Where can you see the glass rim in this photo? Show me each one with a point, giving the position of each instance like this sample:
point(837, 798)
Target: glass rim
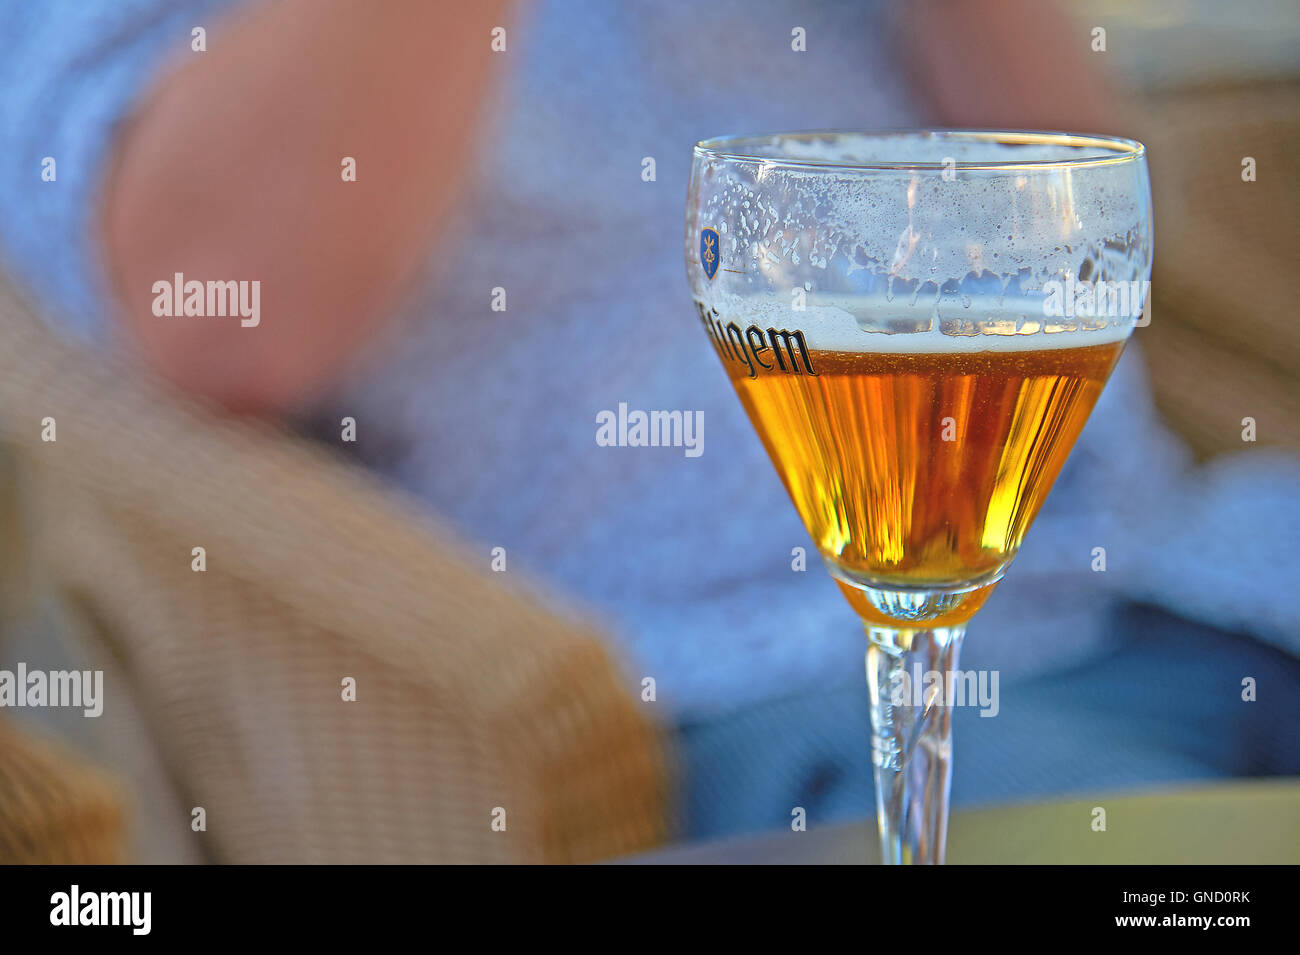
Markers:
point(1095, 150)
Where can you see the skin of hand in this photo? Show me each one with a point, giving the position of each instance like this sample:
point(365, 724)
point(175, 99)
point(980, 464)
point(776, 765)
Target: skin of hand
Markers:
point(231, 170)
point(1010, 64)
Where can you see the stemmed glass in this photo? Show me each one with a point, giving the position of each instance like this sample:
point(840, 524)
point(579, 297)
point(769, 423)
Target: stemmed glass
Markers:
point(918, 325)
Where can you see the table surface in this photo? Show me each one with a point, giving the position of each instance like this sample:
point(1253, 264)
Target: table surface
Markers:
point(1243, 822)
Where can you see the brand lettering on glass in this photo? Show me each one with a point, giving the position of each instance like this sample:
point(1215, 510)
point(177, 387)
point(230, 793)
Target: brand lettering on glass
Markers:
point(748, 346)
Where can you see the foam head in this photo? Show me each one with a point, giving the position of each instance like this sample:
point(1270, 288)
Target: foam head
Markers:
point(960, 235)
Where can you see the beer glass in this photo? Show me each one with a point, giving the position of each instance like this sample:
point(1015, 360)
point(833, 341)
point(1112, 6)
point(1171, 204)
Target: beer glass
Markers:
point(918, 325)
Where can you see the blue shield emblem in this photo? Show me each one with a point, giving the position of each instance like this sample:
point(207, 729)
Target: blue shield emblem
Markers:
point(709, 252)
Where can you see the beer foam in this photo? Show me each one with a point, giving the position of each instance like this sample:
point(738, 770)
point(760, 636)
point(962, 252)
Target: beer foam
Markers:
point(941, 231)
point(872, 326)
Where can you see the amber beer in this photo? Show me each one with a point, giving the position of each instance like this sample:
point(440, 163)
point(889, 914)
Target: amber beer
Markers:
point(916, 469)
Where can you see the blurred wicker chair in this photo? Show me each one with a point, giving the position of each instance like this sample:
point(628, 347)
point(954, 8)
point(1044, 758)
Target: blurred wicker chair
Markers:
point(54, 808)
point(471, 694)
point(1224, 343)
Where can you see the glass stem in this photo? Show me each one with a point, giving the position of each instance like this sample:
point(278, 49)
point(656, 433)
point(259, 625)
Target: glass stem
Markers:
point(911, 739)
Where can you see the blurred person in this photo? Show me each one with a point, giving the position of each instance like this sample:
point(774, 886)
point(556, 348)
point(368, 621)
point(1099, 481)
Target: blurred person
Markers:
point(522, 169)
